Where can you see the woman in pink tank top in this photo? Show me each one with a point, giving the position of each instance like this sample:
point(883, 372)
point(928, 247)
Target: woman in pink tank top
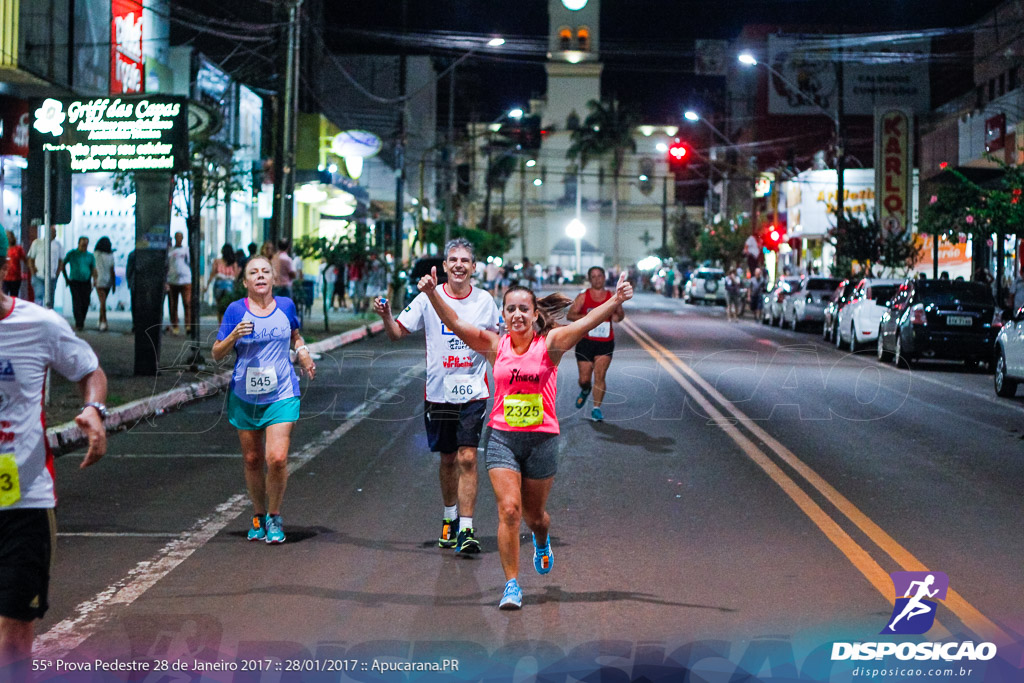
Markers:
point(522, 453)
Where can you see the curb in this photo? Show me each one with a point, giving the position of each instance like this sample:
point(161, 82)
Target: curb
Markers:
point(68, 435)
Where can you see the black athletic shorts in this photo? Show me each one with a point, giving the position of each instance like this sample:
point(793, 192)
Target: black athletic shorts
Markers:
point(588, 349)
point(451, 425)
point(26, 548)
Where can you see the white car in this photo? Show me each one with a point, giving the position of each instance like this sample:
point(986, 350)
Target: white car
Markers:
point(705, 285)
point(807, 303)
point(859, 319)
point(1009, 356)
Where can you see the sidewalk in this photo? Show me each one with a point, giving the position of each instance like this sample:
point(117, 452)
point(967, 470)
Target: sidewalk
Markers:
point(131, 398)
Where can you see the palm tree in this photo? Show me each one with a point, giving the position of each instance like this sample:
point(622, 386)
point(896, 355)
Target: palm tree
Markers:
point(608, 129)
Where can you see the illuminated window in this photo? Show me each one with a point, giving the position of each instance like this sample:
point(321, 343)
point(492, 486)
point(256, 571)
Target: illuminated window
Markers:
point(583, 39)
point(565, 38)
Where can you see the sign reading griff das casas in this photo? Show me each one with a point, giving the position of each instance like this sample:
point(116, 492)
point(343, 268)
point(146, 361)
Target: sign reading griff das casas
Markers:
point(139, 133)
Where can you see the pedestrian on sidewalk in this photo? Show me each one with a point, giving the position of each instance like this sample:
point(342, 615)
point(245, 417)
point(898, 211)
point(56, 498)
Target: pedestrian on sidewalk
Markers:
point(37, 267)
point(223, 276)
point(17, 266)
point(179, 282)
point(284, 270)
point(79, 271)
point(733, 294)
point(263, 400)
point(106, 280)
point(33, 339)
point(456, 391)
point(594, 351)
point(522, 452)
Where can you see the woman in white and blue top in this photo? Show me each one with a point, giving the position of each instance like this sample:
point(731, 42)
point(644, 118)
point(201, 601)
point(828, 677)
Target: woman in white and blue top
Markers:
point(263, 401)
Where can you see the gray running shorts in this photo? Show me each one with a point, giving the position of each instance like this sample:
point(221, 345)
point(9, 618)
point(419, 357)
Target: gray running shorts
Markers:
point(533, 454)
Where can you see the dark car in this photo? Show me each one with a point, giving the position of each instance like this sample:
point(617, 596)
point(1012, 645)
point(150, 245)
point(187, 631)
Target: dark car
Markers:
point(839, 298)
point(942, 319)
point(421, 267)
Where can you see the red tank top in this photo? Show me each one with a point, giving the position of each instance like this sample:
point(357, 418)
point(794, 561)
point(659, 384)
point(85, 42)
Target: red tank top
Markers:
point(525, 388)
point(604, 331)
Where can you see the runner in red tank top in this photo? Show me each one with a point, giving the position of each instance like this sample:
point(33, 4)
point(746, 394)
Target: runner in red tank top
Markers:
point(594, 352)
point(522, 452)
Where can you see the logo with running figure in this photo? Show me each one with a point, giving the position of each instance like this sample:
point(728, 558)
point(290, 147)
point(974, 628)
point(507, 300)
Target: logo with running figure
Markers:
point(914, 611)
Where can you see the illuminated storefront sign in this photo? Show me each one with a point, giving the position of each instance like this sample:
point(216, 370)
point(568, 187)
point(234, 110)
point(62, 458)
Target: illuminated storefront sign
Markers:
point(893, 167)
point(126, 61)
point(115, 134)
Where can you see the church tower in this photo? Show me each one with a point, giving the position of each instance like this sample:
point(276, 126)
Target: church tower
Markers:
point(574, 72)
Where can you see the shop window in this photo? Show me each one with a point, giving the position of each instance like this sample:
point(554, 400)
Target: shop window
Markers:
point(565, 38)
point(583, 39)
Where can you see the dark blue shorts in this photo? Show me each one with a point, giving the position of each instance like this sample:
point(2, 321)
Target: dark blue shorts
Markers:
point(452, 425)
point(26, 549)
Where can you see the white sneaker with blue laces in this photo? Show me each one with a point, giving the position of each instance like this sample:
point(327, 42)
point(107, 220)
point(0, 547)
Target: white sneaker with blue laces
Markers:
point(513, 596)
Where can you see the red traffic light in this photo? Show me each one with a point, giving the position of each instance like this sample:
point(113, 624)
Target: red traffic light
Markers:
point(772, 237)
point(678, 154)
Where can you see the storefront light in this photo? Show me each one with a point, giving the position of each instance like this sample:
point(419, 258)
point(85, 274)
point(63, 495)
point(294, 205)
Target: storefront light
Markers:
point(310, 193)
point(354, 166)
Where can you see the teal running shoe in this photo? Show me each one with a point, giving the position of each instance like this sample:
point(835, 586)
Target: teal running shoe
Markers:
point(275, 534)
point(467, 543)
point(582, 398)
point(597, 415)
point(543, 558)
point(512, 597)
point(258, 532)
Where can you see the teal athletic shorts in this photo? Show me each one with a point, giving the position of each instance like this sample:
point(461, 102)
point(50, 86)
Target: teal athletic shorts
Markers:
point(251, 416)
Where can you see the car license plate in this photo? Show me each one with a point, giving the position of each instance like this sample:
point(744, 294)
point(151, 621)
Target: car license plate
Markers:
point(959, 320)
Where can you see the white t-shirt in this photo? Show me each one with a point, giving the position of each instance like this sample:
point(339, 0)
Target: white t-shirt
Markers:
point(32, 338)
point(455, 373)
point(179, 270)
point(37, 252)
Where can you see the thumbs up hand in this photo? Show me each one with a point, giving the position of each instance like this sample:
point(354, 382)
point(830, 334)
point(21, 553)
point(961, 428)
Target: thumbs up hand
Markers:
point(428, 283)
point(623, 290)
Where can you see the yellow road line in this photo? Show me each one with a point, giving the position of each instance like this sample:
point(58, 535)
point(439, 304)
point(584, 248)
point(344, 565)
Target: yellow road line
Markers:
point(860, 558)
point(967, 613)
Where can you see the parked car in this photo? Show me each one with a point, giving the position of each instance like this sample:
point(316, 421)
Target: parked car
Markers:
point(771, 311)
point(947, 319)
point(1009, 356)
point(421, 267)
point(807, 303)
point(858, 319)
point(705, 285)
point(840, 297)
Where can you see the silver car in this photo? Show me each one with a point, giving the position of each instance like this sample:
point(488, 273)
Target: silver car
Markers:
point(807, 304)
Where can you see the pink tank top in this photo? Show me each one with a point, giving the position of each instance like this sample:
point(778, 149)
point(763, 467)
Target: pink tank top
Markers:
point(524, 388)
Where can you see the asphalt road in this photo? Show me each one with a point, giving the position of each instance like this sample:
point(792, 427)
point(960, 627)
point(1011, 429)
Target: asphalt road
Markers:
point(738, 512)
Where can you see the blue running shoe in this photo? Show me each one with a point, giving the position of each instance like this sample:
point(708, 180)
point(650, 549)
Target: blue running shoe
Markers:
point(467, 543)
point(258, 532)
point(275, 534)
point(582, 398)
point(543, 558)
point(513, 596)
point(597, 415)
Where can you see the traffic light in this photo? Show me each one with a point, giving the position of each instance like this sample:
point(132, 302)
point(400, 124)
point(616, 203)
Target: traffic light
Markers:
point(679, 154)
point(772, 237)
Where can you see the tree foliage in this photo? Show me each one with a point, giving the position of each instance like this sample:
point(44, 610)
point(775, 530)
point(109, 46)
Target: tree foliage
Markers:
point(865, 242)
point(962, 207)
point(494, 242)
point(721, 243)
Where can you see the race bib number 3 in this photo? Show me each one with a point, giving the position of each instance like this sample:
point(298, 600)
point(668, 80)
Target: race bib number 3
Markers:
point(602, 331)
point(260, 381)
point(524, 410)
point(10, 487)
point(463, 388)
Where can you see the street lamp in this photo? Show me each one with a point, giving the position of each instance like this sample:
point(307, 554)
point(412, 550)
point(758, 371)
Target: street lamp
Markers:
point(576, 230)
point(748, 59)
point(495, 126)
point(694, 117)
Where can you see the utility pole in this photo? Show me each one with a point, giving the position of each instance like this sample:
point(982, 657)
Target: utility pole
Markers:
point(522, 204)
point(664, 211)
point(840, 147)
point(400, 145)
point(449, 166)
point(288, 101)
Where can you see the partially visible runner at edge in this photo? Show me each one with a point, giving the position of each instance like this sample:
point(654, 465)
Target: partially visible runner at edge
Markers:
point(33, 339)
point(594, 352)
point(263, 401)
point(456, 390)
point(522, 451)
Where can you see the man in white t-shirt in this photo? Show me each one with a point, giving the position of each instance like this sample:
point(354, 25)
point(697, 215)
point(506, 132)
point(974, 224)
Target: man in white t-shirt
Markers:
point(456, 391)
point(33, 339)
point(179, 282)
point(37, 266)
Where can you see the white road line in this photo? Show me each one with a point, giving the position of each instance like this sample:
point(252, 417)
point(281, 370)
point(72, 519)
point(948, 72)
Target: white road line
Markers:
point(90, 615)
point(116, 534)
point(146, 456)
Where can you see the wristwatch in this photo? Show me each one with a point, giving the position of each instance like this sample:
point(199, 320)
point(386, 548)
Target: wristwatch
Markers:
point(100, 408)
